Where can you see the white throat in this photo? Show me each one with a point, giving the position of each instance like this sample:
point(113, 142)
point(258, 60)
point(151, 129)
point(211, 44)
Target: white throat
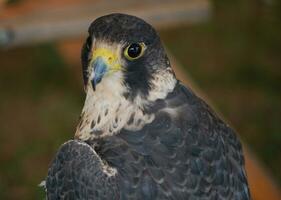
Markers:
point(106, 111)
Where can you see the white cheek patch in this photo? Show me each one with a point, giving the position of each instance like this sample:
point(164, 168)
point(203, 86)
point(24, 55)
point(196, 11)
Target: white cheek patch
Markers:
point(106, 110)
point(163, 82)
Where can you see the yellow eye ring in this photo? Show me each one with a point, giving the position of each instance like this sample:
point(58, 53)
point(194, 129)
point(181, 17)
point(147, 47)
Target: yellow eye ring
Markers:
point(134, 51)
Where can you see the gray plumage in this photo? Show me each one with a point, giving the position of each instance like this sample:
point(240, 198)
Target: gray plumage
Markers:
point(186, 152)
point(76, 174)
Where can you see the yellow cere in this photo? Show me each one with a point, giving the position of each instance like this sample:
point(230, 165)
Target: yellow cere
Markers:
point(109, 58)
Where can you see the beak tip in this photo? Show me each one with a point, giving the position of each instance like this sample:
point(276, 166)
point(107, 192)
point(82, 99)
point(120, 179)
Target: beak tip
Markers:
point(93, 82)
point(99, 69)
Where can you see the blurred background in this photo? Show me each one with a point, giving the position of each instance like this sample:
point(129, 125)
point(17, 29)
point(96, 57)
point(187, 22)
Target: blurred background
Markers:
point(230, 49)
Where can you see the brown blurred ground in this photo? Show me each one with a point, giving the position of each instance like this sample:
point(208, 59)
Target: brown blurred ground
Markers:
point(234, 58)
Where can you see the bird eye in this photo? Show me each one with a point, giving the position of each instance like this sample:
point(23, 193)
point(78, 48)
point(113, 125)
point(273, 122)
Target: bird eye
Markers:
point(134, 51)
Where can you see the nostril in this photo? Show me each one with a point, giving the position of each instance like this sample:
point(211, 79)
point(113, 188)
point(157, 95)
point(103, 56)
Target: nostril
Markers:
point(110, 58)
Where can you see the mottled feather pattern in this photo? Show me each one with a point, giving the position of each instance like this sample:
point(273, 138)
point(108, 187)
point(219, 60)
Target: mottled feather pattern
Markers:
point(78, 173)
point(192, 155)
point(142, 134)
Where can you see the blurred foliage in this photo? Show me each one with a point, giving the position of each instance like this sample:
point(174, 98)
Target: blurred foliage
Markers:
point(11, 2)
point(234, 58)
point(39, 106)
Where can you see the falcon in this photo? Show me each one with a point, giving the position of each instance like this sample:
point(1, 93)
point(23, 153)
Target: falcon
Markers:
point(142, 134)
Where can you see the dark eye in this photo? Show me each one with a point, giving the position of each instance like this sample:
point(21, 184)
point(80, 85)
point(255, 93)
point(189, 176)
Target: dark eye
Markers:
point(134, 51)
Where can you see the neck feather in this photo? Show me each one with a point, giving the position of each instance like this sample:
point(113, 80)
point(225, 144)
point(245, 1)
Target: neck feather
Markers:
point(106, 110)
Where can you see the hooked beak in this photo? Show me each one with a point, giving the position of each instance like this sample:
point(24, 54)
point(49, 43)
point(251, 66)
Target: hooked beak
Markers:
point(103, 62)
point(99, 68)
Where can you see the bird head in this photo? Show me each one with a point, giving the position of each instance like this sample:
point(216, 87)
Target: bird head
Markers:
point(126, 50)
point(125, 70)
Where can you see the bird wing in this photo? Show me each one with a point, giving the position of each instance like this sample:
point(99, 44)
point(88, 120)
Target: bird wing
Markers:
point(187, 152)
point(77, 172)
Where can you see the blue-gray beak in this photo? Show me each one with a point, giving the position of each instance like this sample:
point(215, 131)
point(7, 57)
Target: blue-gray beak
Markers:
point(99, 69)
